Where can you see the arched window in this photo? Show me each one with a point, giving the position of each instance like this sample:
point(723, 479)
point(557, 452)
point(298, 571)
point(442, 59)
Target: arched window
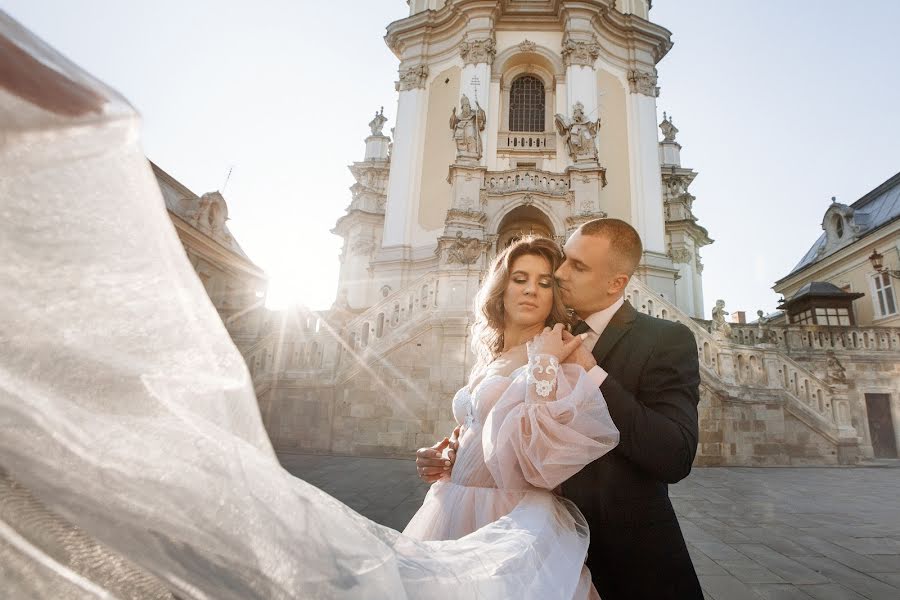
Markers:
point(839, 226)
point(526, 104)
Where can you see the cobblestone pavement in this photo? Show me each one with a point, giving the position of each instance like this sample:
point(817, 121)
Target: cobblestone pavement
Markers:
point(764, 533)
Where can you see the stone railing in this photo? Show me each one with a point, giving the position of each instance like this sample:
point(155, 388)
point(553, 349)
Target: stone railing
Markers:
point(516, 180)
point(731, 366)
point(819, 337)
point(526, 141)
point(377, 327)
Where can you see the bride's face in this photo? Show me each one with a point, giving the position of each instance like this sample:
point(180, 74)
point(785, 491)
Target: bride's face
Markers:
point(528, 298)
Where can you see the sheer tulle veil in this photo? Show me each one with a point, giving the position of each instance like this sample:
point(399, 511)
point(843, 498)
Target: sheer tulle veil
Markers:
point(134, 461)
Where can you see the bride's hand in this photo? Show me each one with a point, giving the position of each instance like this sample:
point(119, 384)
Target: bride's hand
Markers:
point(550, 341)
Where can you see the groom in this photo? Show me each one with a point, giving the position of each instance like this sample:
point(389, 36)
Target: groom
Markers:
point(648, 372)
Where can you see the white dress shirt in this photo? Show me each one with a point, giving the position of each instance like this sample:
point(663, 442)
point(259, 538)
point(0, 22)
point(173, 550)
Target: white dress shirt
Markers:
point(596, 323)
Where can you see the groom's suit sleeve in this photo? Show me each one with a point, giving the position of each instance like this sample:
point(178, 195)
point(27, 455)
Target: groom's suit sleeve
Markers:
point(658, 426)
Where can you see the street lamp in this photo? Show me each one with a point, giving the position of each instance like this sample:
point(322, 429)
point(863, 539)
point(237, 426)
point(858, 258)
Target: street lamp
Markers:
point(877, 261)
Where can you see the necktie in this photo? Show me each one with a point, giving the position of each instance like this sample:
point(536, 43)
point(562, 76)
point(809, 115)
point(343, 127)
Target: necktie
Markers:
point(580, 327)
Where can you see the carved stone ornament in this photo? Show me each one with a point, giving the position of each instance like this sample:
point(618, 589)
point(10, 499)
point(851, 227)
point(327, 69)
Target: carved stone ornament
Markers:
point(587, 206)
point(377, 124)
point(386, 291)
point(467, 127)
point(580, 52)
point(681, 255)
point(478, 51)
point(834, 370)
point(527, 46)
point(668, 129)
point(362, 247)
point(412, 78)
point(643, 82)
point(579, 134)
point(463, 251)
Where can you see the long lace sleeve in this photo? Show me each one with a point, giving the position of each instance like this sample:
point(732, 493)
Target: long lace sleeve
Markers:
point(549, 423)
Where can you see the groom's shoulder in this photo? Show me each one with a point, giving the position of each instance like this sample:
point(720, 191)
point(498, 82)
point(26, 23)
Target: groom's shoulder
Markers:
point(664, 328)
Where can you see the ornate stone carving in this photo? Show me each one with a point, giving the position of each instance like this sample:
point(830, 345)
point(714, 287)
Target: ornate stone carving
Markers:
point(579, 134)
point(643, 82)
point(527, 46)
point(386, 291)
point(377, 124)
point(681, 255)
point(669, 130)
point(698, 264)
point(209, 214)
point(461, 251)
point(580, 52)
point(587, 206)
point(719, 324)
point(362, 247)
point(467, 127)
point(478, 51)
point(540, 182)
point(412, 78)
point(834, 370)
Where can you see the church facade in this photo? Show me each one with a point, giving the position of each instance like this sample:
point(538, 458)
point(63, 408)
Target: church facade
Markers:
point(517, 117)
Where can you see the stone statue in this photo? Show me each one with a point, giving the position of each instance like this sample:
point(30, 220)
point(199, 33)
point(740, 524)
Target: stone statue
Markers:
point(579, 134)
point(377, 124)
point(719, 324)
point(464, 251)
point(834, 370)
point(761, 322)
point(467, 127)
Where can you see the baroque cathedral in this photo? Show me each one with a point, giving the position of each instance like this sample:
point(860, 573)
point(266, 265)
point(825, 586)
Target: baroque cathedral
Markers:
point(534, 116)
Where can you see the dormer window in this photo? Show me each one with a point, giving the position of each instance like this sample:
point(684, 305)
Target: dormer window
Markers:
point(838, 225)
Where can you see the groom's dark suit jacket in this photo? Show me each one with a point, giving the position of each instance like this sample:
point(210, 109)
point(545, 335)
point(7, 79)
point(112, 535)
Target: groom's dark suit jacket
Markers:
point(637, 550)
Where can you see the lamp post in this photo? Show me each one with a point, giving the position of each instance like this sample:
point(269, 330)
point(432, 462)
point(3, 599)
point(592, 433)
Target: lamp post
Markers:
point(877, 261)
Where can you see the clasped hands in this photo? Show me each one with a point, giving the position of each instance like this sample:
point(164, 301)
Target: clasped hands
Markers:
point(435, 462)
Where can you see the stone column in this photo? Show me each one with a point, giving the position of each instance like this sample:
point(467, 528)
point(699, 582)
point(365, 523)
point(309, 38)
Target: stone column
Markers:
point(406, 160)
point(647, 210)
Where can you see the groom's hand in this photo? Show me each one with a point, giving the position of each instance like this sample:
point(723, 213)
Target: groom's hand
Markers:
point(580, 355)
point(436, 462)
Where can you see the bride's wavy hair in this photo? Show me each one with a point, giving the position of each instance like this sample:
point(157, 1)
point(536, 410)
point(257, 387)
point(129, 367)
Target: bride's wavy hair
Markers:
point(490, 317)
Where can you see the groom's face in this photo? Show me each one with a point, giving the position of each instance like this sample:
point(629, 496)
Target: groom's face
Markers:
point(587, 278)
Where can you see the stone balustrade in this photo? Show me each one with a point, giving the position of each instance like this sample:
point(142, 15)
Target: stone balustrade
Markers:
point(533, 180)
point(819, 337)
point(734, 365)
point(370, 331)
point(526, 141)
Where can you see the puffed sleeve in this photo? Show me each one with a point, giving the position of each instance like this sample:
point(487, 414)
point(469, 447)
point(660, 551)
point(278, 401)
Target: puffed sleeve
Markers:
point(546, 426)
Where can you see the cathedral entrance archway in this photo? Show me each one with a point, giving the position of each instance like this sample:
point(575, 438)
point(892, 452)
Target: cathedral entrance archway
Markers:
point(522, 221)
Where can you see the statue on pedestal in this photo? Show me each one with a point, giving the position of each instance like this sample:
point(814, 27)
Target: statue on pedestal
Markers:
point(467, 127)
point(719, 324)
point(579, 134)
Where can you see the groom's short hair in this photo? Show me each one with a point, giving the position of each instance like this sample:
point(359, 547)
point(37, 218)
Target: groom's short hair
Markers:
point(623, 239)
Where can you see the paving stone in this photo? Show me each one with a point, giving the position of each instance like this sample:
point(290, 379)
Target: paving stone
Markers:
point(778, 591)
point(726, 587)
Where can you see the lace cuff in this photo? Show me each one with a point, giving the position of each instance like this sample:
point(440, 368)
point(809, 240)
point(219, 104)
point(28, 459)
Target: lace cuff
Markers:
point(541, 380)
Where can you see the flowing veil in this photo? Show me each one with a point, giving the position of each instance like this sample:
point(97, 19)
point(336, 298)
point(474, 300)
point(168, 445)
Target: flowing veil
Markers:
point(133, 459)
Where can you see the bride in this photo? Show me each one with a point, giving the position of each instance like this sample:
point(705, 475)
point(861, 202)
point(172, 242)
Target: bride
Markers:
point(527, 423)
point(133, 460)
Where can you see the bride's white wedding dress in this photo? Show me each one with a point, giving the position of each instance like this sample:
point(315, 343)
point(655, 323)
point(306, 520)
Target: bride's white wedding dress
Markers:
point(133, 460)
point(521, 436)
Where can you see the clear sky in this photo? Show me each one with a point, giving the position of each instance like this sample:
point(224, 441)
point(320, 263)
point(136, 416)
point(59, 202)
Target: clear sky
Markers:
point(780, 104)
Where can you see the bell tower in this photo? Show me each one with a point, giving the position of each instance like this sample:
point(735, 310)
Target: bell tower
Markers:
point(520, 116)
